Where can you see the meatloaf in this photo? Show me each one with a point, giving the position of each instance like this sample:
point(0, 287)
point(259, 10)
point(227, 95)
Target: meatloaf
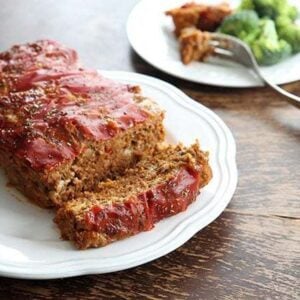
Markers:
point(194, 45)
point(159, 186)
point(64, 128)
point(200, 16)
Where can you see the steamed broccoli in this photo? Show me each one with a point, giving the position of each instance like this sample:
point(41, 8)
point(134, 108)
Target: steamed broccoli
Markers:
point(243, 24)
point(246, 5)
point(261, 36)
point(254, 23)
point(289, 31)
point(274, 8)
point(268, 48)
point(290, 12)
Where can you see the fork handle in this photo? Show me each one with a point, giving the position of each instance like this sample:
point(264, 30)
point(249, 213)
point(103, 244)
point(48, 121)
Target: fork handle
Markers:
point(291, 98)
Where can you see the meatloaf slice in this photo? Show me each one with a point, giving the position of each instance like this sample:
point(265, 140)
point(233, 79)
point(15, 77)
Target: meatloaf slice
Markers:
point(58, 139)
point(63, 128)
point(157, 187)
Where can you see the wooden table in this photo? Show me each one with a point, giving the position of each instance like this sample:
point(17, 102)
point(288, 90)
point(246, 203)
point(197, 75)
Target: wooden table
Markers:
point(252, 251)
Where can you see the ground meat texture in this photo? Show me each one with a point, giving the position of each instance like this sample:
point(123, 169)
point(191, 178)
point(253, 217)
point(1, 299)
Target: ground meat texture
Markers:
point(157, 187)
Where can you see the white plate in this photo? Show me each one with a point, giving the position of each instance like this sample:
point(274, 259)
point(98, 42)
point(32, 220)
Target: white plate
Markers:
point(151, 35)
point(29, 241)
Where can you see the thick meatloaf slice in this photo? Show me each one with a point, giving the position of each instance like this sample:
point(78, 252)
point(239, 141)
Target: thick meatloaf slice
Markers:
point(63, 132)
point(157, 187)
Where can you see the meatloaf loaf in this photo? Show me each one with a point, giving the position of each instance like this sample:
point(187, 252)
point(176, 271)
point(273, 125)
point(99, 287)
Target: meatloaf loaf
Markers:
point(159, 186)
point(64, 128)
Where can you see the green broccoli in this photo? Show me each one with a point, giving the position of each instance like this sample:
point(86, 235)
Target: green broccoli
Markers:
point(242, 24)
point(274, 8)
point(289, 31)
point(269, 43)
point(268, 48)
point(246, 5)
point(291, 12)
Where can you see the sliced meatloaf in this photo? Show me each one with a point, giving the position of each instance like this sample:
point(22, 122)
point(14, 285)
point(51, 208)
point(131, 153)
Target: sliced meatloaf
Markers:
point(159, 186)
point(63, 128)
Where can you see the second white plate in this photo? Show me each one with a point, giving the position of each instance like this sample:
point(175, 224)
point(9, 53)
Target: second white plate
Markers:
point(151, 34)
point(30, 246)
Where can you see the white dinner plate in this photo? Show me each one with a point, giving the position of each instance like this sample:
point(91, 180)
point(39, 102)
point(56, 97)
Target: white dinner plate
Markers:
point(151, 35)
point(30, 246)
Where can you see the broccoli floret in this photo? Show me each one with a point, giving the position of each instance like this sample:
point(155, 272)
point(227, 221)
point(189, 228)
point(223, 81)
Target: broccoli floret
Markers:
point(243, 24)
point(289, 32)
point(275, 8)
point(246, 5)
point(268, 48)
point(291, 12)
point(260, 34)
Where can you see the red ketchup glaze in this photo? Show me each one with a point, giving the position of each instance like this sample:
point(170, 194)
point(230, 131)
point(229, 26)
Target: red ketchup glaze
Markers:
point(141, 213)
point(175, 196)
point(23, 65)
point(48, 103)
point(39, 153)
point(119, 220)
point(43, 54)
point(29, 79)
point(109, 106)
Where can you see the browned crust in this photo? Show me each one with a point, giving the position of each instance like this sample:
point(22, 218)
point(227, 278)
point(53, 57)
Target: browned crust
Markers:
point(203, 17)
point(83, 239)
point(185, 16)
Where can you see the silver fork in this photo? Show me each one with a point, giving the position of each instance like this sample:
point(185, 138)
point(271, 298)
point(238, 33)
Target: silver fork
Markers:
point(232, 48)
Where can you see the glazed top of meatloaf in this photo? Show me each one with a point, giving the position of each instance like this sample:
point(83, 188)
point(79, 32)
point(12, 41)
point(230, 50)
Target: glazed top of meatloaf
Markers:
point(47, 121)
point(42, 60)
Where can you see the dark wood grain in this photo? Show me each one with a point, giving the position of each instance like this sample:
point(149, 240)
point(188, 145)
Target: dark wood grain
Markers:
point(252, 251)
